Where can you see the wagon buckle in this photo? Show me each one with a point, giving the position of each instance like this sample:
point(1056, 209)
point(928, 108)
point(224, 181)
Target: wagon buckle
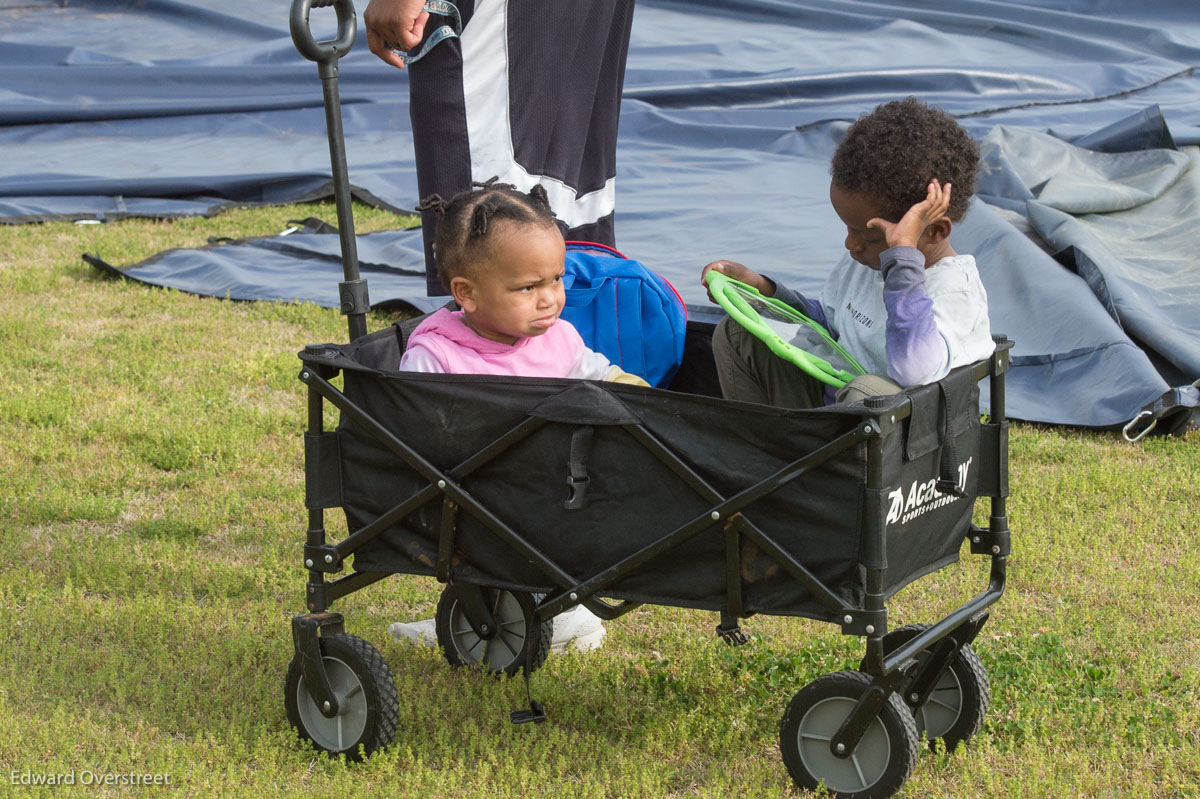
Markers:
point(578, 487)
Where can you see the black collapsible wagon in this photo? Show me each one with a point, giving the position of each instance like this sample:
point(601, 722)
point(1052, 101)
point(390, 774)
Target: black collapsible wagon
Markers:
point(527, 497)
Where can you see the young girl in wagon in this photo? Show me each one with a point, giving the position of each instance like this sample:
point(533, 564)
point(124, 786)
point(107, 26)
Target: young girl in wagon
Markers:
point(500, 253)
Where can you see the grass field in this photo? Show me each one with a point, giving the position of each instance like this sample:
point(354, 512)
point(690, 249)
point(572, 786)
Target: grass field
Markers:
point(152, 505)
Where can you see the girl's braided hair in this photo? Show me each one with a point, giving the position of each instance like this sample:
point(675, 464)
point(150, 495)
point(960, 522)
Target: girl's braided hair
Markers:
point(892, 153)
point(469, 219)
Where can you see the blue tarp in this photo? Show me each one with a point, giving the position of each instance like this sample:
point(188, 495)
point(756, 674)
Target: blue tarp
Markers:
point(731, 110)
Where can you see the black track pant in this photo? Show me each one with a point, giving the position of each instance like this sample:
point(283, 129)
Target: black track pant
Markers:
point(530, 93)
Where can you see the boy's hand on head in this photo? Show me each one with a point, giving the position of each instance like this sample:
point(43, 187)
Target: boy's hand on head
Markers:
point(745, 274)
point(908, 231)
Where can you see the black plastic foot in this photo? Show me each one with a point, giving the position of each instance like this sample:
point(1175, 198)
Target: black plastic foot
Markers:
point(732, 635)
point(536, 713)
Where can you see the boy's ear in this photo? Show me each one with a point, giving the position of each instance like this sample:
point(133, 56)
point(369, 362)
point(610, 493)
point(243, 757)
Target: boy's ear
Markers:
point(463, 291)
point(939, 229)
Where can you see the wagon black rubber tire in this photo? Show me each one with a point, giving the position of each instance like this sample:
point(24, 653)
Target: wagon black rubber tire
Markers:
point(879, 765)
point(959, 703)
point(521, 640)
point(369, 710)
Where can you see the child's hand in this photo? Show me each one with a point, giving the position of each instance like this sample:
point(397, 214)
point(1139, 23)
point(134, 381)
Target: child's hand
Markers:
point(908, 231)
point(745, 274)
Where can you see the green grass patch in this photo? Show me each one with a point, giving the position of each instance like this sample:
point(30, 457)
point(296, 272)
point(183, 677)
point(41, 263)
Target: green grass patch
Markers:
point(152, 512)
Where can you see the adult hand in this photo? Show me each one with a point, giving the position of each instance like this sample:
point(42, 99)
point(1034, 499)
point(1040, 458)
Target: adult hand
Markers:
point(394, 24)
point(908, 231)
point(745, 274)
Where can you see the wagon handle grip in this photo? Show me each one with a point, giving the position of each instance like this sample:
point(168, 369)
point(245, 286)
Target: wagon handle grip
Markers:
point(302, 35)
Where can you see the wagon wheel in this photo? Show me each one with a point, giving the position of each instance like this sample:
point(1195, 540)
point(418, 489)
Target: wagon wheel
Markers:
point(878, 766)
point(368, 710)
point(519, 639)
point(959, 701)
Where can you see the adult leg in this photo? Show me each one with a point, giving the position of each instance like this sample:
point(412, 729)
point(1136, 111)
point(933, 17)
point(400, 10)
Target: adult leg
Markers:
point(437, 111)
point(530, 93)
point(565, 79)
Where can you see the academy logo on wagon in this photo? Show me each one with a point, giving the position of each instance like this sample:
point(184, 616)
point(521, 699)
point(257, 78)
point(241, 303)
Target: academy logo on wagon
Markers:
point(923, 496)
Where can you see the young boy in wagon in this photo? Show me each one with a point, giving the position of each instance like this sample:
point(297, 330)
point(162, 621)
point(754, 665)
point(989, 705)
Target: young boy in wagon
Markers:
point(901, 301)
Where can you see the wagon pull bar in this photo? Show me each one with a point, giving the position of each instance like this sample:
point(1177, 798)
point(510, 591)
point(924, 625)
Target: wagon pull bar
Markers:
point(352, 292)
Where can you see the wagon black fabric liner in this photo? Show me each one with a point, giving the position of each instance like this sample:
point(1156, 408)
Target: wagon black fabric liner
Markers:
point(822, 518)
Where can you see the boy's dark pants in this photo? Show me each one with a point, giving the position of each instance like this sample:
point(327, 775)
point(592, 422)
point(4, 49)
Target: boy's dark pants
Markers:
point(750, 372)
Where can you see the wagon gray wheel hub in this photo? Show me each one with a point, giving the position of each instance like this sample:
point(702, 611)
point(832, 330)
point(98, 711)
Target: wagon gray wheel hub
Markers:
point(937, 716)
point(501, 649)
point(860, 770)
point(335, 734)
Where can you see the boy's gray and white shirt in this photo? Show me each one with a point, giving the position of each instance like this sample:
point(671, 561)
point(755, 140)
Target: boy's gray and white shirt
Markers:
point(854, 304)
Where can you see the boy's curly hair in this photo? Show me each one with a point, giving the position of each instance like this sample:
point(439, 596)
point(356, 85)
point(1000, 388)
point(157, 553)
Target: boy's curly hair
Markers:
point(467, 221)
point(893, 152)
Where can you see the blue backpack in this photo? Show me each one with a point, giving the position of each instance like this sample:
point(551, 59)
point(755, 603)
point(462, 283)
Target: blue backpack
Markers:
point(631, 315)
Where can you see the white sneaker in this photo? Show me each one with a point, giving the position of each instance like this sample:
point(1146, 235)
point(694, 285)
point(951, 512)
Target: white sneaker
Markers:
point(422, 632)
point(579, 629)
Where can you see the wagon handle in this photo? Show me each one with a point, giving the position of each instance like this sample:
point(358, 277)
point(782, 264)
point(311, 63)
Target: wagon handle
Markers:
point(352, 292)
point(302, 36)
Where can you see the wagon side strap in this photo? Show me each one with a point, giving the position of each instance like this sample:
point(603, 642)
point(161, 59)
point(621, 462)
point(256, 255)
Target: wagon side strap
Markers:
point(959, 395)
point(577, 476)
point(939, 413)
